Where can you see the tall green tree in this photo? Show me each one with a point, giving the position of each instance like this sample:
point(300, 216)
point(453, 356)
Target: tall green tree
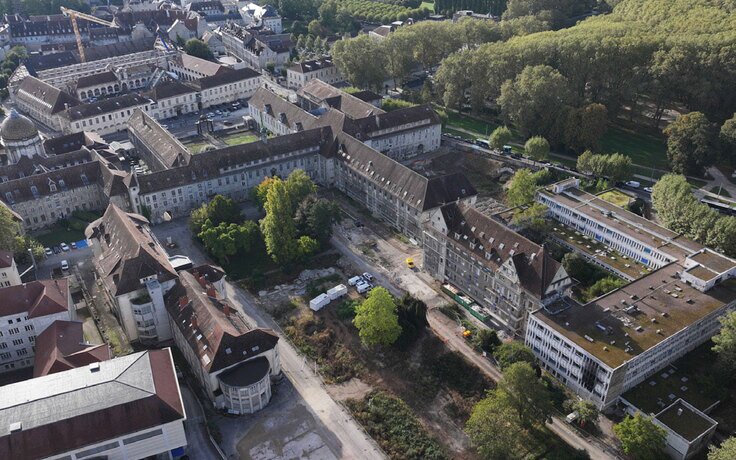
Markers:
point(399, 57)
point(640, 437)
point(499, 137)
point(521, 189)
point(691, 143)
point(585, 127)
point(278, 228)
point(526, 394)
point(725, 343)
point(198, 48)
point(11, 230)
point(586, 410)
point(537, 147)
point(534, 100)
point(728, 139)
point(494, 429)
point(298, 187)
point(362, 61)
point(377, 320)
point(513, 352)
point(726, 451)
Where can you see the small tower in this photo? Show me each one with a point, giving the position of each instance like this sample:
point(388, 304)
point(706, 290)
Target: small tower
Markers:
point(20, 137)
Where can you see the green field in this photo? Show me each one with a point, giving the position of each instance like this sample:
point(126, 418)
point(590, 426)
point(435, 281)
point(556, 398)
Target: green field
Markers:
point(239, 138)
point(644, 150)
point(455, 132)
point(483, 129)
point(616, 197)
point(57, 235)
point(427, 5)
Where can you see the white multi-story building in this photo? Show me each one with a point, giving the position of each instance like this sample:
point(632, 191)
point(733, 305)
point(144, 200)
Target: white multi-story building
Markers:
point(9, 275)
point(127, 407)
point(608, 346)
point(136, 273)
point(301, 73)
point(233, 363)
point(259, 49)
point(26, 311)
point(264, 17)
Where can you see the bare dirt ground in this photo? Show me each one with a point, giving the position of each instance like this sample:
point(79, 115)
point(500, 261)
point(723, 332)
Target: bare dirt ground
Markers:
point(482, 172)
point(352, 389)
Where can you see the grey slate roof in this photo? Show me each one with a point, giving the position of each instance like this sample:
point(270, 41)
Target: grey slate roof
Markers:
point(52, 100)
point(225, 77)
point(17, 127)
point(166, 148)
point(96, 79)
point(105, 106)
point(319, 92)
point(128, 251)
point(84, 406)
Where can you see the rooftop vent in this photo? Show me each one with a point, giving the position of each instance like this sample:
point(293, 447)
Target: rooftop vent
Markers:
point(94, 367)
point(15, 427)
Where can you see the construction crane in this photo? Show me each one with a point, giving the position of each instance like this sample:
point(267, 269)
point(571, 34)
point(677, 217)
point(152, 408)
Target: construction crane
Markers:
point(73, 15)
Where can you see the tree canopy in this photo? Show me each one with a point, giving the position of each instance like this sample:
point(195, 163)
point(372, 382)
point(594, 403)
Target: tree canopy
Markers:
point(727, 450)
point(198, 48)
point(522, 186)
point(377, 320)
point(691, 143)
point(537, 147)
point(500, 137)
point(614, 166)
point(640, 437)
point(725, 343)
point(278, 228)
point(513, 352)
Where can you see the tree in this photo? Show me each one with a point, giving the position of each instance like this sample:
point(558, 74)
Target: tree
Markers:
point(223, 209)
point(260, 191)
point(728, 139)
point(513, 352)
point(615, 167)
point(198, 48)
point(691, 143)
point(537, 147)
point(727, 450)
point(377, 320)
point(526, 393)
point(532, 218)
point(316, 217)
point(640, 437)
point(522, 187)
point(586, 410)
point(585, 127)
point(362, 61)
point(494, 429)
point(11, 229)
point(577, 267)
point(226, 239)
point(534, 100)
point(307, 246)
point(399, 57)
point(725, 343)
point(298, 187)
point(486, 340)
point(278, 229)
point(500, 137)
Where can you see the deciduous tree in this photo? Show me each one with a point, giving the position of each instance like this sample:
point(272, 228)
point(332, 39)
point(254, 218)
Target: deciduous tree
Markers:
point(640, 437)
point(526, 393)
point(725, 343)
point(278, 229)
point(727, 450)
point(537, 147)
point(499, 137)
point(522, 186)
point(513, 352)
point(198, 48)
point(362, 61)
point(585, 127)
point(534, 100)
point(494, 429)
point(691, 143)
point(377, 320)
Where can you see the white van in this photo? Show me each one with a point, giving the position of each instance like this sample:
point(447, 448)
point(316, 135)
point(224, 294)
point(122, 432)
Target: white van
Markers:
point(355, 280)
point(363, 287)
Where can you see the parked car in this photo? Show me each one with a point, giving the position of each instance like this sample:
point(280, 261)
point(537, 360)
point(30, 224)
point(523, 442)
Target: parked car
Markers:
point(368, 276)
point(648, 189)
point(363, 287)
point(64, 247)
point(355, 280)
point(64, 265)
point(410, 263)
point(74, 245)
point(57, 249)
point(632, 184)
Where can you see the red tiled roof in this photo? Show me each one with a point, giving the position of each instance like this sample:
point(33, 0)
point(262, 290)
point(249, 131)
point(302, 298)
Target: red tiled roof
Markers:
point(37, 298)
point(61, 347)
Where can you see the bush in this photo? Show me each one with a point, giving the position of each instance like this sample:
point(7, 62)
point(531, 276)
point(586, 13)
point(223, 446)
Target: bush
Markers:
point(346, 309)
point(391, 422)
point(451, 310)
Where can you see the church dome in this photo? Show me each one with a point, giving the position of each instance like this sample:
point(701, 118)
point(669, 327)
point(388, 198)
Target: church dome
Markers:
point(16, 127)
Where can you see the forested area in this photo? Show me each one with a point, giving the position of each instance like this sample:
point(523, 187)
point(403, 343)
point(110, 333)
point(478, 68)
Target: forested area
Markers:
point(42, 6)
point(647, 54)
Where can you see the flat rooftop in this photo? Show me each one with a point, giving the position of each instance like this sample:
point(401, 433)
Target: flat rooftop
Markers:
point(662, 389)
point(628, 321)
point(684, 421)
point(623, 221)
point(599, 251)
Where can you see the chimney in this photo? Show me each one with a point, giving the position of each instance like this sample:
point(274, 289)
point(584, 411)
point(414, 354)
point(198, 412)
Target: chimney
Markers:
point(226, 309)
point(194, 322)
point(183, 301)
point(211, 292)
point(679, 412)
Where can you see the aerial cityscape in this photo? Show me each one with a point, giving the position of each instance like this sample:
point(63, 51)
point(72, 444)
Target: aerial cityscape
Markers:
point(368, 229)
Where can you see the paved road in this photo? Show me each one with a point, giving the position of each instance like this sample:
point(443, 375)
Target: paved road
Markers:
point(401, 280)
point(199, 445)
point(355, 443)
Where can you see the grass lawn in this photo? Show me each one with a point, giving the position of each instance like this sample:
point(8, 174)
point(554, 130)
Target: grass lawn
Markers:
point(57, 235)
point(428, 5)
point(643, 149)
point(482, 128)
point(458, 133)
point(616, 197)
point(239, 138)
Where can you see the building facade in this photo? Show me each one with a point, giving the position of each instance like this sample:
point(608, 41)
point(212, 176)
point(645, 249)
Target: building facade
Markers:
point(26, 311)
point(301, 73)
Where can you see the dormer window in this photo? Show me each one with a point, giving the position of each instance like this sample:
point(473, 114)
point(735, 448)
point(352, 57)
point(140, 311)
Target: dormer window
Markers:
point(52, 187)
point(34, 190)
